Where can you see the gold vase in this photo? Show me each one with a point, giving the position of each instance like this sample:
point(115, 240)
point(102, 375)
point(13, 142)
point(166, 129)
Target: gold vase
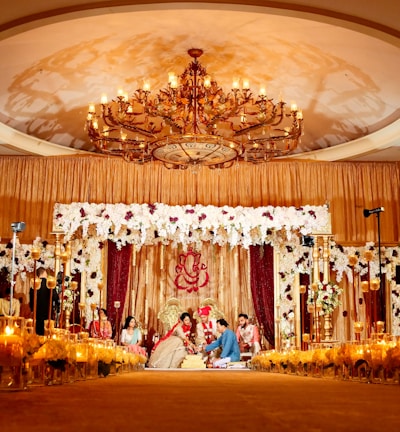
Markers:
point(328, 328)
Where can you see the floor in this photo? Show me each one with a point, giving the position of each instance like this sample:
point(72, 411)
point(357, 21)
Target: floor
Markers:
point(206, 400)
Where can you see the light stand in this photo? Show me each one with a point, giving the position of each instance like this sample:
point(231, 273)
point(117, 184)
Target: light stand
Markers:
point(117, 305)
point(378, 212)
point(16, 227)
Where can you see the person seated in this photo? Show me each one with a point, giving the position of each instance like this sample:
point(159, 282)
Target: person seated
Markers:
point(248, 336)
point(206, 329)
point(170, 350)
point(229, 344)
point(5, 305)
point(101, 328)
point(131, 336)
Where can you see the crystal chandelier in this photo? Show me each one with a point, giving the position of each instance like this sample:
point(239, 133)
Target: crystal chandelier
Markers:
point(193, 122)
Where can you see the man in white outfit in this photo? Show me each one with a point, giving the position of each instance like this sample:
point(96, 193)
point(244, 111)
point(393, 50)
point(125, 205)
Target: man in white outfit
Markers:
point(248, 336)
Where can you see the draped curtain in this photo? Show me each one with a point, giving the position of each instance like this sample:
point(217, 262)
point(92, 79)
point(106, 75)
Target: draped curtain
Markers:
point(32, 183)
point(262, 288)
point(118, 269)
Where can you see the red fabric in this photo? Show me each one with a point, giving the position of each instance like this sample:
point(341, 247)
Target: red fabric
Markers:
point(117, 279)
point(262, 288)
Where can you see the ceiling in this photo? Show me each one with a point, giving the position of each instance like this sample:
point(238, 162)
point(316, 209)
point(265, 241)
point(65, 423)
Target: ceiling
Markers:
point(339, 63)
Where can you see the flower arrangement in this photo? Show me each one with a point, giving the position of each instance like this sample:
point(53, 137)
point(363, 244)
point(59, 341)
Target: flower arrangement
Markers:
point(326, 296)
point(138, 223)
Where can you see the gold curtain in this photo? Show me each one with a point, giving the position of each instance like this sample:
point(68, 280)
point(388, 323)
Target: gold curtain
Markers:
point(30, 186)
point(153, 275)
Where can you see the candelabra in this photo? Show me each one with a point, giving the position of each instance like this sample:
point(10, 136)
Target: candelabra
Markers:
point(51, 284)
point(35, 254)
point(16, 228)
point(81, 311)
point(302, 290)
point(117, 305)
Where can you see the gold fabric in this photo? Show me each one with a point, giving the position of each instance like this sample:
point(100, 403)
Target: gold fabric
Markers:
point(30, 186)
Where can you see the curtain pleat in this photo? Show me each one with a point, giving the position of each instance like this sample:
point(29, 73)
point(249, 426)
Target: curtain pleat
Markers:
point(30, 186)
point(118, 269)
point(262, 287)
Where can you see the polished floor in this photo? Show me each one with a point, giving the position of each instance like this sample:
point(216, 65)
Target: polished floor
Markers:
point(207, 400)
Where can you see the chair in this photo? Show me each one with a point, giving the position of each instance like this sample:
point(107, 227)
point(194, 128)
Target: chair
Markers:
point(170, 313)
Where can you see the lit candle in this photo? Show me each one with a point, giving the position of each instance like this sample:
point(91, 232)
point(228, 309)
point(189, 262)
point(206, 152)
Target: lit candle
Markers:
point(246, 84)
point(92, 108)
point(263, 91)
point(103, 99)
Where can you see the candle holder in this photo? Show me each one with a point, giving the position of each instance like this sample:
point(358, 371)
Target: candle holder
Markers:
point(117, 305)
point(51, 284)
point(81, 314)
point(358, 328)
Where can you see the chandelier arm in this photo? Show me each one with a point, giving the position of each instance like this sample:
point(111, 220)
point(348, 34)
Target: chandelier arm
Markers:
point(192, 121)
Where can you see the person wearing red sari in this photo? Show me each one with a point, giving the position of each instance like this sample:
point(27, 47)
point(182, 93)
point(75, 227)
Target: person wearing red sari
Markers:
point(170, 351)
point(101, 328)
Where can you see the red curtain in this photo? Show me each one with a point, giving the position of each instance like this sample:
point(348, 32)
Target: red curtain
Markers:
point(117, 279)
point(262, 288)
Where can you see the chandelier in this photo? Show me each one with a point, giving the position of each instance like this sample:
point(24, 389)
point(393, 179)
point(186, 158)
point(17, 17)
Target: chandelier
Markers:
point(193, 122)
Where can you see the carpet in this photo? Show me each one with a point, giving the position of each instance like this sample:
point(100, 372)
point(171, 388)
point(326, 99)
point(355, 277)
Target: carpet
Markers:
point(206, 400)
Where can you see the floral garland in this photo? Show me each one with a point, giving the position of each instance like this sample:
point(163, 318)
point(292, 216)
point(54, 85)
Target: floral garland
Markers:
point(141, 224)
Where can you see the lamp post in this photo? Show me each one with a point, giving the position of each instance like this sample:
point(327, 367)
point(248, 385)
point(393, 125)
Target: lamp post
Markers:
point(378, 212)
point(16, 227)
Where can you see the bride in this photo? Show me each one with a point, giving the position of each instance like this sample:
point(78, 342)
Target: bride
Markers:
point(170, 351)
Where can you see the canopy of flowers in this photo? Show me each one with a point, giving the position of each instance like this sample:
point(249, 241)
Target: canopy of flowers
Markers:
point(141, 224)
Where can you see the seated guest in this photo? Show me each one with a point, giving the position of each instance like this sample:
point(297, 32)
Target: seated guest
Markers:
point(101, 328)
point(131, 336)
point(248, 336)
point(229, 344)
point(5, 305)
point(170, 350)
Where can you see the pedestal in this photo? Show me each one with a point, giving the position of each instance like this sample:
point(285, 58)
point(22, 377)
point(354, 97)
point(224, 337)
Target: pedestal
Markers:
point(328, 328)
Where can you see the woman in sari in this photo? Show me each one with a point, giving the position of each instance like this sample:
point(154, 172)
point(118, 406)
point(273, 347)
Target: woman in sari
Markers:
point(131, 336)
point(170, 351)
point(101, 328)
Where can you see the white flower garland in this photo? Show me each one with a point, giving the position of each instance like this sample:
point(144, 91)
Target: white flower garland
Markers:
point(141, 224)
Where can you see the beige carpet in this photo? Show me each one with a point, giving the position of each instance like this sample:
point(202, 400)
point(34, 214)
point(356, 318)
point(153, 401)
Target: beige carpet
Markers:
point(222, 401)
